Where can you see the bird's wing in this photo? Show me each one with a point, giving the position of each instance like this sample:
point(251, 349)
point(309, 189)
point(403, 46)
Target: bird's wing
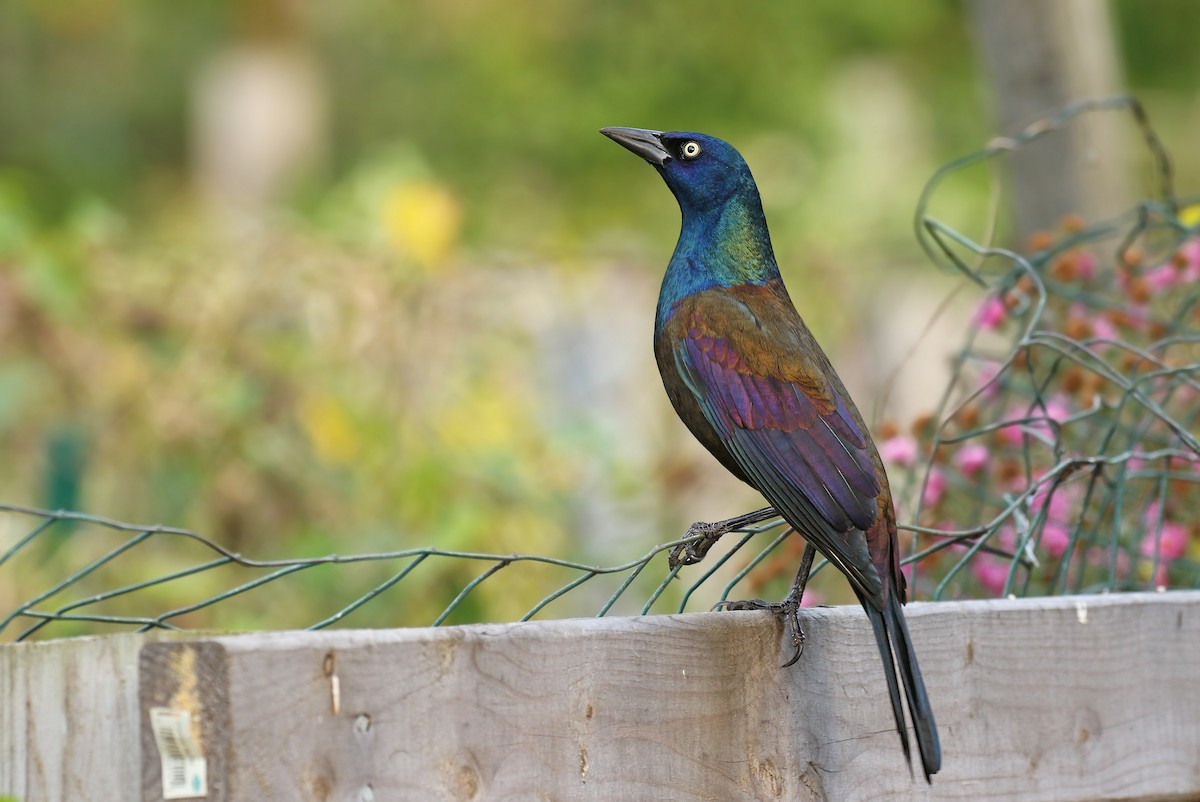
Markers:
point(766, 388)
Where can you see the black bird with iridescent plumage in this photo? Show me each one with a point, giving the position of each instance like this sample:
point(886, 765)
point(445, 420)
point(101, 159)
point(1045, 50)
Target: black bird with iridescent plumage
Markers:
point(748, 379)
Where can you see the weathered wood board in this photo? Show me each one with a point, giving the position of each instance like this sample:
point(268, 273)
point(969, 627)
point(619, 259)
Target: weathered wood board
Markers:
point(1042, 699)
point(69, 719)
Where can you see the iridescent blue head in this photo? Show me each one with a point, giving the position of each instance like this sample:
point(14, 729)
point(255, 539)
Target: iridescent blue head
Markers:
point(724, 240)
point(702, 171)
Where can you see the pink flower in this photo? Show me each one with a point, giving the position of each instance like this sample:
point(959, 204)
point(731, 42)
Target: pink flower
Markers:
point(1169, 537)
point(1058, 408)
point(1191, 252)
point(1085, 265)
point(991, 313)
point(935, 488)
point(991, 573)
point(972, 458)
point(1013, 434)
point(899, 450)
point(1103, 328)
point(1171, 541)
point(1061, 505)
point(1055, 539)
point(1161, 278)
point(1191, 258)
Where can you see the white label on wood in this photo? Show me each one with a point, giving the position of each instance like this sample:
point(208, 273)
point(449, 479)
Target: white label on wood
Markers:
point(184, 769)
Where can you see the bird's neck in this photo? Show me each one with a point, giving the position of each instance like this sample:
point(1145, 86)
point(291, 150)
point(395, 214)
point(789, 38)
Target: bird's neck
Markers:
point(724, 246)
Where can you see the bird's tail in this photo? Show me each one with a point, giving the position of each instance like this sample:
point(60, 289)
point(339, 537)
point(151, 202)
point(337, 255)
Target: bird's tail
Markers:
point(891, 633)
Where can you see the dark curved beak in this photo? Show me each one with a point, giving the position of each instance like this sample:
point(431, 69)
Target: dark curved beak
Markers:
point(645, 143)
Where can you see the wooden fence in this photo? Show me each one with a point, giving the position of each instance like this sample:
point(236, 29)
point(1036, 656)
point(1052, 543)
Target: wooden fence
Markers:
point(1072, 698)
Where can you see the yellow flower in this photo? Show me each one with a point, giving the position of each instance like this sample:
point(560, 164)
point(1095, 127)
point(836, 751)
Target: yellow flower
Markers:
point(488, 420)
point(421, 221)
point(330, 430)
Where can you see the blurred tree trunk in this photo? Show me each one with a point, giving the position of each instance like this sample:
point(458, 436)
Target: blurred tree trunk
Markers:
point(1039, 55)
point(259, 115)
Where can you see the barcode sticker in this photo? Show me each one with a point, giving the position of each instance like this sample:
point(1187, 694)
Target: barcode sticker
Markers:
point(184, 769)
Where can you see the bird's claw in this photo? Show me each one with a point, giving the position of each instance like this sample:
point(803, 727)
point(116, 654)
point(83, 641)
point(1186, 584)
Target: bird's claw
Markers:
point(791, 613)
point(693, 551)
point(788, 610)
point(703, 536)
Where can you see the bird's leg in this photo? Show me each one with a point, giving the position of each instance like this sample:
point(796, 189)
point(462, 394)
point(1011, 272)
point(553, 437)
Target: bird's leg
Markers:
point(708, 534)
point(789, 608)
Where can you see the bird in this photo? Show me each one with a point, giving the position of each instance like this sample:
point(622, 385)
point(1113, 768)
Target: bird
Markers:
point(748, 379)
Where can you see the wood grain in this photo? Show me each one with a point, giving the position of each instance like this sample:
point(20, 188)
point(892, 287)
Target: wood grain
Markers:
point(1091, 698)
point(68, 719)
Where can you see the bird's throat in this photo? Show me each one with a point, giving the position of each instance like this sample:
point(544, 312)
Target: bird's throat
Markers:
point(726, 246)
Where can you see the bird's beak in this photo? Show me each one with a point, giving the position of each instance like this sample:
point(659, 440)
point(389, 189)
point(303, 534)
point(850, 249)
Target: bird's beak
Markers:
point(645, 143)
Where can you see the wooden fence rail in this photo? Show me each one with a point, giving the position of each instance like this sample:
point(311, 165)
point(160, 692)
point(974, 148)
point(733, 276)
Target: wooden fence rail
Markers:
point(1091, 697)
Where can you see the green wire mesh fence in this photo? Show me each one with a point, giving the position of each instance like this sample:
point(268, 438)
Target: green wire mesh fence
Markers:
point(1063, 457)
point(1067, 435)
point(35, 614)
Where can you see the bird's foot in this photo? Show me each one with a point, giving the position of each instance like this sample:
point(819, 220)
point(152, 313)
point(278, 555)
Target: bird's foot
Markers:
point(703, 536)
point(788, 609)
point(693, 551)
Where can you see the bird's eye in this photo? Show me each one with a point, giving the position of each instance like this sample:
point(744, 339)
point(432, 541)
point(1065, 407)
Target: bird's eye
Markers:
point(690, 150)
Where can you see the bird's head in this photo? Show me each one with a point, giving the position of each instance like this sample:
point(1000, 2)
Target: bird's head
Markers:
point(701, 170)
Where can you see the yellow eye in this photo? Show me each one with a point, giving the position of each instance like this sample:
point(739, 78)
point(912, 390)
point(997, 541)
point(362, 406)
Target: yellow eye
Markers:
point(690, 150)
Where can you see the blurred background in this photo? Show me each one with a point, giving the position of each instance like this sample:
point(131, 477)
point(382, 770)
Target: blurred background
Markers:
point(349, 277)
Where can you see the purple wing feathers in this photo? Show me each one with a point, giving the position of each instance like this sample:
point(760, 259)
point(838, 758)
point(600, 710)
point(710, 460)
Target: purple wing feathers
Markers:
point(822, 454)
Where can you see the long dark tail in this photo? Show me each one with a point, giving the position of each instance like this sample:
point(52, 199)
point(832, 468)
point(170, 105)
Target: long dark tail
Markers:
point(895, 647)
